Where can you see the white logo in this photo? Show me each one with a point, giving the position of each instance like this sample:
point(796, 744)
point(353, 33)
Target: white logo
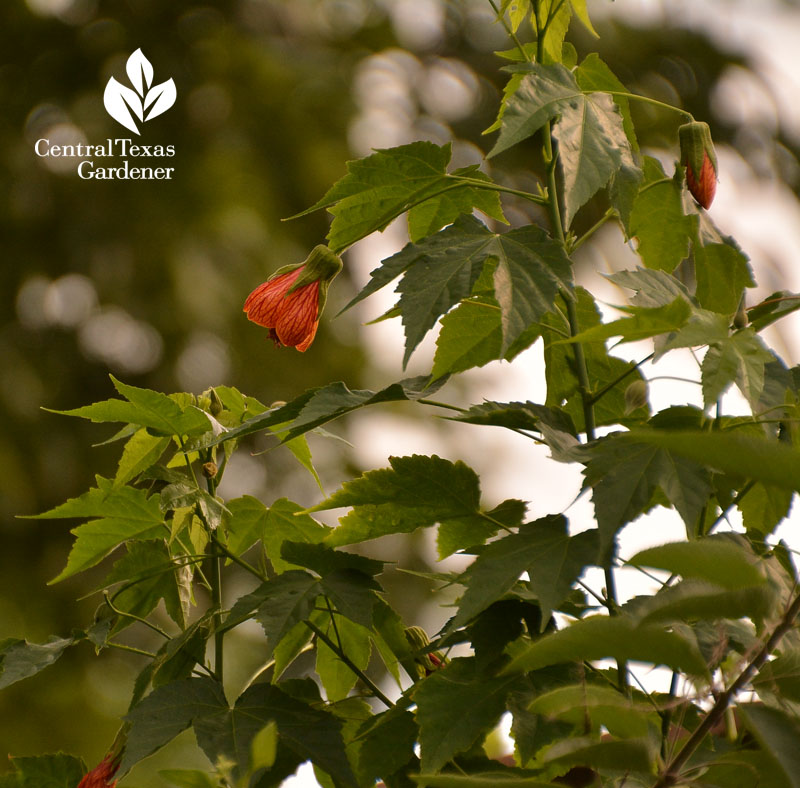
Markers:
point(145, 102)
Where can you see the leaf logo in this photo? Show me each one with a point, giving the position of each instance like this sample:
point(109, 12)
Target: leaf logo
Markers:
point(143, 102)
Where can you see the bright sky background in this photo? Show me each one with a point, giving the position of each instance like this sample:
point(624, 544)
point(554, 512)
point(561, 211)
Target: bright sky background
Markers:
point(762, 214)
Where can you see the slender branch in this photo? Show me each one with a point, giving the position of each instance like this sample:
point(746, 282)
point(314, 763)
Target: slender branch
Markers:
point(496, 187)
point(671, 775)
point(603, 391)
point(216, 604)
point(666, 715)
point(647, 100)
point(350, 664)
point(130, 649)
point(141, 620)
point(609, 214)
point(511, 34)
point(236, 560)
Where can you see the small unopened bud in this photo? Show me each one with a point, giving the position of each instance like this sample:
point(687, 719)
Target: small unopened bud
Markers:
point(216, 407)
point(210, 470)
point(635, 396)
point(279, 403)
point(700, 160)
point(740, 318)
point(426, 663)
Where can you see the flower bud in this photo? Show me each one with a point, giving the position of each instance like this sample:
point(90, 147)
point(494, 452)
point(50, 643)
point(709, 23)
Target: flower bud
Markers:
point(700, 160)
point(216, 406)
point(426, 663)
point(635, 396)
point(210, 470)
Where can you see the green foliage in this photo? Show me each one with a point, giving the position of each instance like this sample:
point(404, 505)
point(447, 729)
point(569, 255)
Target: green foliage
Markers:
point(533, 629)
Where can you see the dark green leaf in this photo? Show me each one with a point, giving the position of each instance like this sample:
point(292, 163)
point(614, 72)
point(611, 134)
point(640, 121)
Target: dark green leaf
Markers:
point(722, 275)
point(772, 308)
point(336, 677)
point(778, 733)
point(624, 474)
point(188, 778)
point(484, 780)
point(387, 744)
point(543, 549)
point(286, 522)
point(20, 659)
point(626, 755)
point(616, 637)
point(324, 560)
point(415, 492)
point(165, 712)
point(781, 676)
point(455, 705)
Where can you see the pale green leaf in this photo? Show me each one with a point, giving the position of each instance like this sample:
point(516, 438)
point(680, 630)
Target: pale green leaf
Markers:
point(739, 358)
point(722, 275)
point(20, 659)
point(141, 451)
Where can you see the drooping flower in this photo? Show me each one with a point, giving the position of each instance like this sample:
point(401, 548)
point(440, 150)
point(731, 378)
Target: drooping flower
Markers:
point(700, 160)
point(102, 776)
point(290, 302)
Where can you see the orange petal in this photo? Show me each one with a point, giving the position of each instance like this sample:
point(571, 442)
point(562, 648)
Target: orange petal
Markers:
point(297, 319)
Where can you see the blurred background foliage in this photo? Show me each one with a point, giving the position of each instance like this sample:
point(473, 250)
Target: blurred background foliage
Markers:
point(145, 279)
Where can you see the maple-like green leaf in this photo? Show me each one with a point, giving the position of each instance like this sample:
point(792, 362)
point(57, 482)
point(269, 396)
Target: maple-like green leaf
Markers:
point(740, 358)
point(615, 637)
point(152, 575)
point(455, 705)
point(658, 223)
point(722, 275)
point(308, 732)
point(387, 743)
point(380, 187)
point(543, 549)
point(141, 451)
point(164, 713)
point(321, 405)
point(20, 659)
point(416, 492)
point(158, 412)
point(652, 288)
point(118, 514)
point(430, 216)
point(625, 474)
point(772, 308)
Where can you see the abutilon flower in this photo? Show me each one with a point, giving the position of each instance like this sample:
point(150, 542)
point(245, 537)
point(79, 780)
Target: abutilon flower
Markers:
point(700, 160)
point(102, 775)
point(290, 302)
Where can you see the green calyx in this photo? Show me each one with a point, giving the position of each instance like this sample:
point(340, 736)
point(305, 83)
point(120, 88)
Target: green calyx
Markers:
point(696, 143)
point(322, 266)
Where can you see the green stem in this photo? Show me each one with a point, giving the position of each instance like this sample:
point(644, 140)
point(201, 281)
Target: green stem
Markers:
point(216, 604)
point(141, 620)
point(496, 187)
point(238, 561)
point(666, 716)
point(609, 214)
point(671, 775)
point(350, 664)
point(130, 649)
point(647, 100)
point(603, 391)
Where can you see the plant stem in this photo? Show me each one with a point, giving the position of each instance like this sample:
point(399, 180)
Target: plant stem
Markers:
point(603, 391)
point(154, 627)
point(648, 100)
point(496, 187)
point(216, 604)
point(609, 214)
point(671, 774)
point(350, 664)
point(238, 561)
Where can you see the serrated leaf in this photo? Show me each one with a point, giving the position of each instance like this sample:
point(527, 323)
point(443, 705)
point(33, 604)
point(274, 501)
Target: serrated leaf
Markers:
point(147, 408)
point(164, 713)
point(380, 187)
point(619, 638)
point(718, 560)
point(321, 405)
point(554, 17)
point(644, 322)
point(309, 733)
point(287, 522)
point(122, 514)
point(764, 507)
point(594, 75)
point(430, 216)
point(152, 575)
point(658, 222)
point(624, 474)
point(20, 659)
point(638, 755)
point(387, 743)
point(141, 451)
point(455, 705)
point(780, 676)
point(777, 732)
point(543, 549)
point(416, 492)
point(653, 288)
point(722, 275)
point(183, 495)
point(772, 308)
point(739, 358)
